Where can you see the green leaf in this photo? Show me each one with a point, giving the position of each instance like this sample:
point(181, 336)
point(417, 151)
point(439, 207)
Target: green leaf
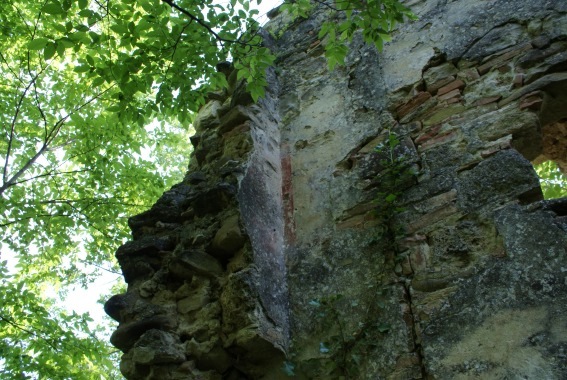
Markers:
point(114, 108)
point(391, 198)
point(60, 28)
point(38, 43)
point(81, 68)
point(60, 49)
point(49, 50)
point(119, 28)
point(97, 82)
point(553, 182)
point(53, 8)
point(66, 43)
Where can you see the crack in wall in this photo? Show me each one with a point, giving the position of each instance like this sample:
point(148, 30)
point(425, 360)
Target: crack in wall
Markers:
point(418, 348)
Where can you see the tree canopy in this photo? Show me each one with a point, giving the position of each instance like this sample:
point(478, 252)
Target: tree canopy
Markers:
point(553, 181)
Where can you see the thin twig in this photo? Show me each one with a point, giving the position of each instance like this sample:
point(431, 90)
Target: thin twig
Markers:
point(51, 173)
point(48, 140)
point(13, 127)
point(205, 25)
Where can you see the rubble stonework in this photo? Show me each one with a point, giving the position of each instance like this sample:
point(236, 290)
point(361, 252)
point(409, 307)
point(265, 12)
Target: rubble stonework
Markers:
point(269, 261)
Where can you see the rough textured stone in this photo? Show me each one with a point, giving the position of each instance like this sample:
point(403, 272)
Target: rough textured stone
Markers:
point(500, 178)
point(191, 262)
point(271, 255)
point(229, 238)
point(438, 76)
point(157, 347)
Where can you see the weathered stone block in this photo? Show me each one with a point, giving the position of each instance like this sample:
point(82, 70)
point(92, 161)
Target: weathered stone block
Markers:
point(504, 176)
point(190, 262)
point(236, 116)
point(451, 96)
point(229, 238)
point(157, 347)
point(415, 102)
point(498, 39)
point(208, 116)
point(503, 58)
point(128, 333)
point(454, 85)
point(438, 116)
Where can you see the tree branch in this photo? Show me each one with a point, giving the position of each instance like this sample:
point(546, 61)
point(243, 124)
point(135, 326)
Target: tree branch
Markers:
point(48, 140)
point(87, 263)
point(13, 127)
point(51, 173)
point(324, 3)
point(15, 221)
point(197, 19)
point(204, 24)
point(10, 69)
point(33, 333)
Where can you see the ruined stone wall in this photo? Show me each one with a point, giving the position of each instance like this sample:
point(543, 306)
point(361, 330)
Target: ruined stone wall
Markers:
point(269, 260)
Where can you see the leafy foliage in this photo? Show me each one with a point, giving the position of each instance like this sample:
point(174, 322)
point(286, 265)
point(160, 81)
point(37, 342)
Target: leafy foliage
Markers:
point(553, 181)
point(38, 338)
point(375, 19)
point(396, 174)
point(75, 125)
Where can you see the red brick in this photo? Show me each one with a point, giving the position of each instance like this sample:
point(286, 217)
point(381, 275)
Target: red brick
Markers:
point(532, 101)
point(451, 94)
point(415, 102)
point(428, 134)
point(436, 202)
point(488, 100)
point(449, 136)
point(430, 219)
point(419, 258)
point(496, 146)
point(432, 88)
point(504, 69)
point(406, 266)
point(456, 84)
point(518, 80)
point(408, 242)
point(503, 58)
point(531, 104)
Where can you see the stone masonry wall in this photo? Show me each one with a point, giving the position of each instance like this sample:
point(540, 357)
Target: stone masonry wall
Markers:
point(269, 260)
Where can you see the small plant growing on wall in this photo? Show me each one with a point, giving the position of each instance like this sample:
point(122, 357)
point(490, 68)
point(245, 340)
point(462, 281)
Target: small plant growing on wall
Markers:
point(339, 351)
point(396, 174)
